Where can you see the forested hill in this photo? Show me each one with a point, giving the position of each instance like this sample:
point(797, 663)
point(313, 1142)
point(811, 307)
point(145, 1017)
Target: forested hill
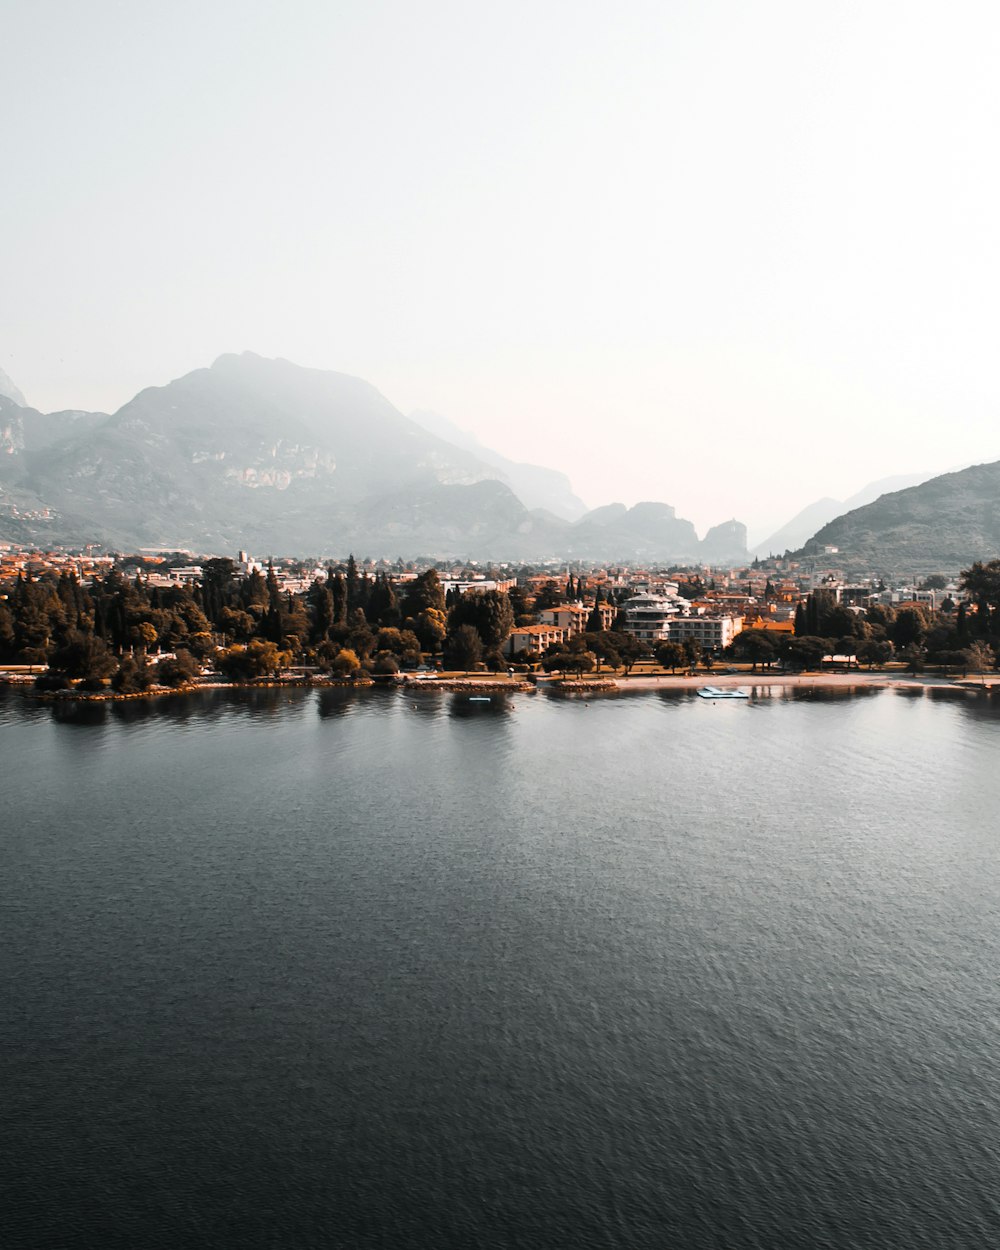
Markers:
point(941, 524)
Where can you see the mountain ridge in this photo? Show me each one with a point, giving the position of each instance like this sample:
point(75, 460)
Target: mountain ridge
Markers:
point(266, 454)
point(942, 524)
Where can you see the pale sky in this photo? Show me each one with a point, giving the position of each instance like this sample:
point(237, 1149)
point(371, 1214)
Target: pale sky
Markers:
point(733, 255)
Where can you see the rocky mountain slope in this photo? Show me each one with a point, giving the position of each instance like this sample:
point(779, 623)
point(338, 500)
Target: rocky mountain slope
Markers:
point(9, 391)
point(267, 455)
point(535, 486)
point(940, 525)
point(794, 533)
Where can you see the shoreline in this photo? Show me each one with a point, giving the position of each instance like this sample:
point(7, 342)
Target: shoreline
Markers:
point(604, 684)
point(833, 681)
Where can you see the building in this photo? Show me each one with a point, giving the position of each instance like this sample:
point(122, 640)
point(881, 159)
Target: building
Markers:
point(649, 616)
point(714, 633)
point(534, 638)
point(572, 617)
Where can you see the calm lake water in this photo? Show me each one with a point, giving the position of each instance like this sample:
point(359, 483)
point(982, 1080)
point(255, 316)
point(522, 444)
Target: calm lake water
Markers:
point(299, 969)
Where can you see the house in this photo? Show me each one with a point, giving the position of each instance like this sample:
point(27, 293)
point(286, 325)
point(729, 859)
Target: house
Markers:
point(534, 638)
point(713, 633)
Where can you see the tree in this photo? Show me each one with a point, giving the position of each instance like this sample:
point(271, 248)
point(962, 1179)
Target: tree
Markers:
point(181, 670)
point(259, 658)
point(671, 655)
point(385, 664)
point(465, 648)
point(346, 663)
point(980, 657)
point(423, 593)
point(320, 601)
point(82, 656)
point(341, 661)
point(982, 583)
point(339, 592)
point(134, 675)
point(431, 628)
point(143, 636)
point(754, 645)
point(630, 649)
point(874, 652)
point(353, 583)
point(908, 628)
point(692, 649)
point(578, 662)
point(805, 652)
point(488, 612)
point(236, 625)
point(382, 608)
point(217, 578)
point(605, 646)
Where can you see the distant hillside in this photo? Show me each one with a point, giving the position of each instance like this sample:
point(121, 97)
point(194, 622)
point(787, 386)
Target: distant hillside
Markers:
point(794, 533)
point(942, 524)
point(9, 391)
point(535, 486)
point(266, 455)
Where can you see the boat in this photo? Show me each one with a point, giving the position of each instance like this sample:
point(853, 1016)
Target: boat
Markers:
point(479, 698)
point(717, 692)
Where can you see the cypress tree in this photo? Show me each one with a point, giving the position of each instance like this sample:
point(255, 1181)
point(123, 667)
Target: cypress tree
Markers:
point(352, 583)
point(339, 592)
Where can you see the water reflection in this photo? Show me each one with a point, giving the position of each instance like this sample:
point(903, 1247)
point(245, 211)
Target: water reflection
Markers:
point(983, 705)
point(334, 701)
point(561, 695)
point(80, 712)
point(133, 711)
point(819, 694)
point(467, 707)
point(427, 703)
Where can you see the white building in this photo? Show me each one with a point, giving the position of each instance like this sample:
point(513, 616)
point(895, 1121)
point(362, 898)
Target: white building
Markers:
point(712, 632)
point(649, 616)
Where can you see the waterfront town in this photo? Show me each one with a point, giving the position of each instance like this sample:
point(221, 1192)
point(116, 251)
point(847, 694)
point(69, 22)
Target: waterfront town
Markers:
point(91, 621)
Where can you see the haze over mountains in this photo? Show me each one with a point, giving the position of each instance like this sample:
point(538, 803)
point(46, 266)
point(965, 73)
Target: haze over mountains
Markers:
point(536, 487)
point(943, 524)
point(9, 391)
point(268, 455)
point(796, 532)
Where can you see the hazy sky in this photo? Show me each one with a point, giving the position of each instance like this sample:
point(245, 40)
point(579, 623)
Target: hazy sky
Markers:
point(734, 256)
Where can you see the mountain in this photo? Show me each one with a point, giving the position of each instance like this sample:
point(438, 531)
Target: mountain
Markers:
point(535, 486)
point(938, 526)
point(796, 532)
point(266, 455)
point(250, 452)
point(9, 391)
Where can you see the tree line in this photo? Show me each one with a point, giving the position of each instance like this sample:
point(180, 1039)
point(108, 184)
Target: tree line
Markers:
point(123, 630)
point(958, 636)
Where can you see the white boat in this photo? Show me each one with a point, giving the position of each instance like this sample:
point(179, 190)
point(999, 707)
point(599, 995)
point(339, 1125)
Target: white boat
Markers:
point(717, 692)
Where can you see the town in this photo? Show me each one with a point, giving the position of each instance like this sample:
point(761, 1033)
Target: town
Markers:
point(130, 623)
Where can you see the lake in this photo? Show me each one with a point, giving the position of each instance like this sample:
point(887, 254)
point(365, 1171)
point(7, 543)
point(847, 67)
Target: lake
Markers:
point(306, 969)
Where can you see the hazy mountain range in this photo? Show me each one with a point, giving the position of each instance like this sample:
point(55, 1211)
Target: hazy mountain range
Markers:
point(9, 391)
point(943, 524)
point(535, 486)
point(266, 455)
point(796, 532)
